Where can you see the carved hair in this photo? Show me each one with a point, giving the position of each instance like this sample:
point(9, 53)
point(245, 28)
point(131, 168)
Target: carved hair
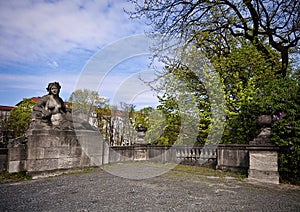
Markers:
point(51, 84)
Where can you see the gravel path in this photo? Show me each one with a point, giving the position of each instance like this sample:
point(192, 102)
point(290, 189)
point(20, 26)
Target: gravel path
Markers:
point(172, 191)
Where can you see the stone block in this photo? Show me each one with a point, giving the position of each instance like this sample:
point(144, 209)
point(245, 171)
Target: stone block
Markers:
point(35, 153)
point(263, 166)
point(95, 160)
point(69, 141)
point(41, 165)
point(16, 166)
point(52, 152)
point(232, 158)
point(140, 154)
point(67, 163)
point(76, 151)
point(57, 149)
point(263, 160)
point(65, 152)
point(17, 153)
point(13, 166)
point(264, 176)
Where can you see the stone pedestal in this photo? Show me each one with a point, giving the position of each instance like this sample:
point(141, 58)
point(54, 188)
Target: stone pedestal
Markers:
point(140, 149)
point(263, 155)
point(263, 164)
point(17, 155)
point(141, 133)
point(57, 150)
point(141, 153)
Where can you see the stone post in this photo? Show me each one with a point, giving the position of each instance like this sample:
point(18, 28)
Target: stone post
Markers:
point(141, 151)
point(17, 154)
point(263, 155)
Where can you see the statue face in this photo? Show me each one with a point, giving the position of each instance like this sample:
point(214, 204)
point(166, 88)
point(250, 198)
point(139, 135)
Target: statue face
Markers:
point(54, 90)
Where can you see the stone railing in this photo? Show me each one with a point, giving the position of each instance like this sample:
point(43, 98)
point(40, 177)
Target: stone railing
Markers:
point(194, 155)
point(58, 152)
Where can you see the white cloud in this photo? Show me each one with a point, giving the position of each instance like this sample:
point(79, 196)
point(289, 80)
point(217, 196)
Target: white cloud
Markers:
point(43, 41)
point(37, 83)
point(36, 29)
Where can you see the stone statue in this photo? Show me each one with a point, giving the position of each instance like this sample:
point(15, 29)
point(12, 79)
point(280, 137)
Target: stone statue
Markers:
point(264, 137)
point(50, 112)
point(141, 133)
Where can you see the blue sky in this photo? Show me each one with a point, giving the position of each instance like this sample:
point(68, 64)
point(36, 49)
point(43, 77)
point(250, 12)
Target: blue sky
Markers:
point(46, 41)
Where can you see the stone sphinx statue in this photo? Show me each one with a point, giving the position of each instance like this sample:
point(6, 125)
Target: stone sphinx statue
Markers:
point(50, 112)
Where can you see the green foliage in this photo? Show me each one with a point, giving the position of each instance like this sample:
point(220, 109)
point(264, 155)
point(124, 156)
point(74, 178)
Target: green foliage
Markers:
point(205, 171)
point(19, 118)
point(14, 177)
point(141, 117)
point(169, 124)
point(282, 100)
point(241, 71)
point(279, 98)
point(86, 99)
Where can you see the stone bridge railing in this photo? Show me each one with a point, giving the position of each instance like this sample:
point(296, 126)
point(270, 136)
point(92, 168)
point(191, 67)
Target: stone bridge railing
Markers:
point(58, 152)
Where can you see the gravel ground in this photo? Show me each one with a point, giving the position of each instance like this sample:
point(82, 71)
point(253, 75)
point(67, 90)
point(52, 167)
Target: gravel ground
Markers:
point(172, 191)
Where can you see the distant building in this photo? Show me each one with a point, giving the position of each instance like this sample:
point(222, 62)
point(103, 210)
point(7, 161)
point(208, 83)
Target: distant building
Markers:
point(35, 99)
point(4, 113)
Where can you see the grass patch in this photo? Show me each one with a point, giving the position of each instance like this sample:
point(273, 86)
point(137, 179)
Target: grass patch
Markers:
point(14, 177)
point(181, 169)
point(204, 171)
point(81, 171)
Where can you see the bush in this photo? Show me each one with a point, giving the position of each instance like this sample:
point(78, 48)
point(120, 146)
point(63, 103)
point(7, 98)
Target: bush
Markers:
point(279, 98)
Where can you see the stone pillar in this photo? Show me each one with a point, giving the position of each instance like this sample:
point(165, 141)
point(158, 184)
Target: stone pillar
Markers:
point(263, 155)
point(263, 164)
point(17, 155)
point(140, 147)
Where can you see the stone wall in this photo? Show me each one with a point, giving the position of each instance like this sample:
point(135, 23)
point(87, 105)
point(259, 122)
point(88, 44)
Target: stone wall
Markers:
point(17, 155)
point(3, 159)
point(160, 154)
point(233, 157)
point(50, 151)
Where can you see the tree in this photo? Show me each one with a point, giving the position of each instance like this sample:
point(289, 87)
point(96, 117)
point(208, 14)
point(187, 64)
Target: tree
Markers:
point(104, 121)
point(19, 118)
point(264, 23)
point(141, 117)
point(86, 100)
point(242, 71)
point(280, 99)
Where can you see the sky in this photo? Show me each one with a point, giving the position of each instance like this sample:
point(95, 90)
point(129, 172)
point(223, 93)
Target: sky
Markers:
point(43, 41)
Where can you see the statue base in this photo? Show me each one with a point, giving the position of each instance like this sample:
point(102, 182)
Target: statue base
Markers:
point(50, 151)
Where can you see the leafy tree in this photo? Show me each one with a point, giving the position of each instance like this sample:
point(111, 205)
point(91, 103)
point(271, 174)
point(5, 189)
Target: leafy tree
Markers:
point(142, 116)
point(241, 71)
point(104, 121)
point(249, 43)
point(274, 23)
point(19, 118)
point(86, 100)
point(171, 127)
point(280, 99)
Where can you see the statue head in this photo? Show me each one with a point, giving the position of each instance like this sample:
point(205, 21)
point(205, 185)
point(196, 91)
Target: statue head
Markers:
point(53, 88)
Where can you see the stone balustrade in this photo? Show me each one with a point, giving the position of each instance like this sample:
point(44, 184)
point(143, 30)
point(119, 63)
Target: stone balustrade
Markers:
point(61, 152)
